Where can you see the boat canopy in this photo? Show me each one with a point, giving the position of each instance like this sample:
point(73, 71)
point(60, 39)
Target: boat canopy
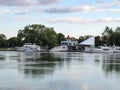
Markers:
point(90, 41)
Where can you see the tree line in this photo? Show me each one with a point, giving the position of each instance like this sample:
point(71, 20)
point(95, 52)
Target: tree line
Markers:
point(46, 37)
point(109, 37)
point(39, 34)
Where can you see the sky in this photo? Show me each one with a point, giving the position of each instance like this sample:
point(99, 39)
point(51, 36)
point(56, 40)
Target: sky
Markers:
point(70, 17)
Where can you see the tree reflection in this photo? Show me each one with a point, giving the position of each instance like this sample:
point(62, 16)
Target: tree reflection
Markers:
point(111, 64)
point(45, 63)
point(38, 65)
point(2, 57)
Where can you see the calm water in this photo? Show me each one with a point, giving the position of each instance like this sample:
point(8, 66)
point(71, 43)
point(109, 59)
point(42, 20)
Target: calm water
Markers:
point(59, 71)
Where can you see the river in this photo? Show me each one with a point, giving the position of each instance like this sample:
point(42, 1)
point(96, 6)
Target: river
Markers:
point(59, 71)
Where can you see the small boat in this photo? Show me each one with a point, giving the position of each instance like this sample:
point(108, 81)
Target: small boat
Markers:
point(59, 49)
point(28, 47)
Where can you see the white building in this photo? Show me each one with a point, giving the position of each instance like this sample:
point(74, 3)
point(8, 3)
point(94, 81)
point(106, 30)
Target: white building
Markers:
point(68, 42)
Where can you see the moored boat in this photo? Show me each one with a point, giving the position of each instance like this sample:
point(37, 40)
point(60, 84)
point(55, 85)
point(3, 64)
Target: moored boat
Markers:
point(28, 47)
point(102, 49)
point(89, 46)
point(116, 49)
point(59, 49)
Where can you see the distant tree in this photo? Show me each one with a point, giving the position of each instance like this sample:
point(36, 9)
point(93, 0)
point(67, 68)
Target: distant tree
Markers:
point(61, 37)
point(39, 34)
point(13, 41)
point(106, 35)
point(3, 40)
point(2, 36)
point(107, 32)
point(116, 37)
point(51, 37)
point(98, 41)
point(110, 36)
point(117, 30)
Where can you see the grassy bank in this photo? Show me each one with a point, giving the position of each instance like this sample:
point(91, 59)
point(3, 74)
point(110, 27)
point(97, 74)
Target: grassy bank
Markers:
point(7, 49)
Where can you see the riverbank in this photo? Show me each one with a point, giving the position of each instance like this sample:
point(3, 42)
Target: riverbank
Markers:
point(7, 49)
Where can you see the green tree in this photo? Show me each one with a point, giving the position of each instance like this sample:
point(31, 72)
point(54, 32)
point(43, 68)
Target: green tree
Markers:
point(13, 41)
point(98, 41)
point(117, 36)
point(51, 37)
point(61, 37)
point(3, 41)
point(39, 34)
point(2, 36)
point(106, 35)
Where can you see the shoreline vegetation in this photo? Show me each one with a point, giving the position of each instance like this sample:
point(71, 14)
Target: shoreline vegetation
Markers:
point(47, 37)
point(8, 49)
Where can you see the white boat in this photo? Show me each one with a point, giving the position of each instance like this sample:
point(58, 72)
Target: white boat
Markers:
point(89, 46)
point(59, 49)
point(102, 49)
point(116, 49)
point(28, 47)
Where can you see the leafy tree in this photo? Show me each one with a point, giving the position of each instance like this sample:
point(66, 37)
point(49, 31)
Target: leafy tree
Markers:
point(117, 36)
point(106, 35)
point(39, 34)
point(51, 37)
point(61, 37)
point(12, 42)
point(98, 41)
point(2, 36)
point(110, 36)
point(3, 40)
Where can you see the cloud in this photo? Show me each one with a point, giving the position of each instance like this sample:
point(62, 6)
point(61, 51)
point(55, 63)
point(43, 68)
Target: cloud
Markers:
point(55, 10)
point(114, 10)
point(15, 2)
point(66, 20)
point(21, 11)
point(2, 11)
point(100, 8)
point(80, 20)
point(47, 2)
point(85, 2)
point(70, 9)
point(100, 1)
point(15, 11)
point(108, 5)
point(59, 10)
point(71, 20)
point(105, 5)
point(27, 2)
point(108, 20)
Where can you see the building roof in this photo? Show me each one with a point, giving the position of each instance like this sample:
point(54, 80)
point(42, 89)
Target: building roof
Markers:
point(90, 41)
point(68, 37)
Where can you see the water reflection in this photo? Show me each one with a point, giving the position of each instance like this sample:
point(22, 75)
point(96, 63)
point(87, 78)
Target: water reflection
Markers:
point(37, 64)
point(41, 64)
point(66, 70)
point(111, 64)
point(2, 57)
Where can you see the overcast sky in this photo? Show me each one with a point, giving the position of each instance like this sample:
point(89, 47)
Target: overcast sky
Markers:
point(70, 17)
